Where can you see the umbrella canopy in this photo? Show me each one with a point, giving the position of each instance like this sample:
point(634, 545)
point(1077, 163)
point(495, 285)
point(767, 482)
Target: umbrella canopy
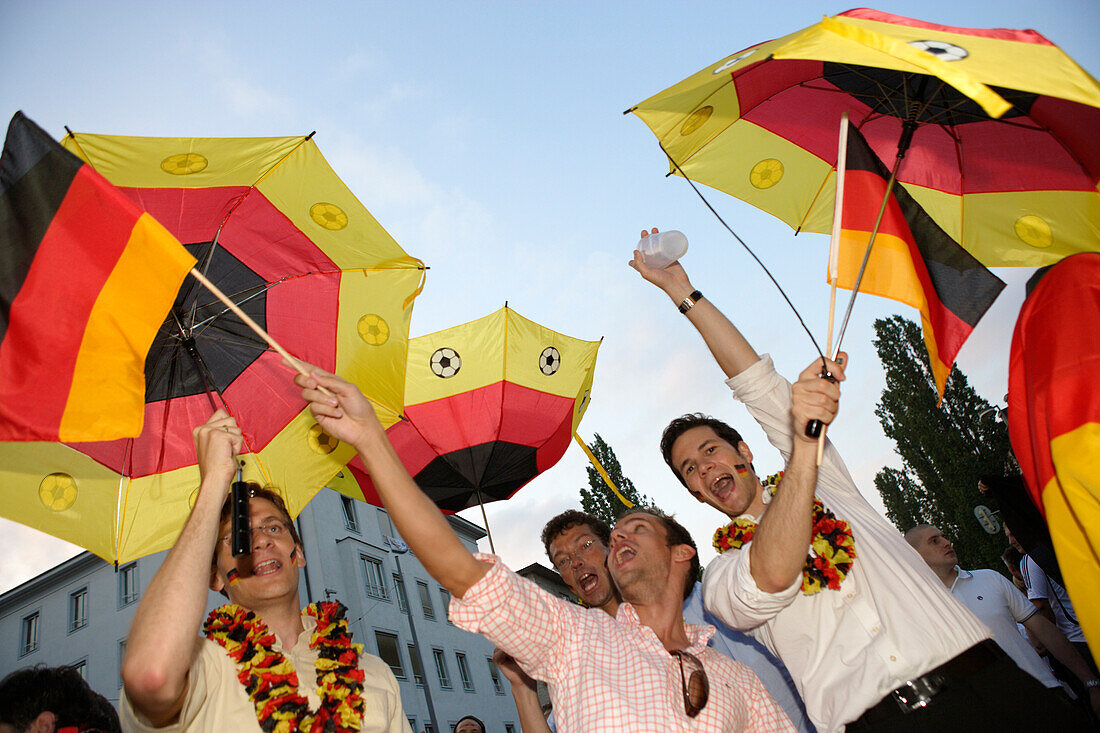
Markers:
point(1018, 190)
point(489, 405)
point(274, 227)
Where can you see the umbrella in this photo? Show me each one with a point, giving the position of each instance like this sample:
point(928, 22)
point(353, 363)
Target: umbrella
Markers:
point(1018, 190)
point(489, 405)
point(274, 227)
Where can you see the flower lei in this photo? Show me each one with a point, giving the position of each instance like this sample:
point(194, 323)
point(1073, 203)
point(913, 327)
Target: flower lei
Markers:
point(832, 551)
point(271, 682)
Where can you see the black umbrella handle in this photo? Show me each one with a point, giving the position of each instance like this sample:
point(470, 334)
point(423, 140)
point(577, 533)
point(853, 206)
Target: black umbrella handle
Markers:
point(240, 528)
point(814, 427)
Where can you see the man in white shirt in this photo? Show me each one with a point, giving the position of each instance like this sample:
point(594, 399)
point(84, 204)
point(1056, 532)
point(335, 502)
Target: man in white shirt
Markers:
point(885, 647)
point(993, 599)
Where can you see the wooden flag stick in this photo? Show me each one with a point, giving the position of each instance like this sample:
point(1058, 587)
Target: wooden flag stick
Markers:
point(254, 326)
point(834, 253)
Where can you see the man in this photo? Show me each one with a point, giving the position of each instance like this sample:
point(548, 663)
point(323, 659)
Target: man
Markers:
point(576, 544)
point(53, 700)
point(862, 639)
point(642, 670)
point(995, 601)
point(176, 680)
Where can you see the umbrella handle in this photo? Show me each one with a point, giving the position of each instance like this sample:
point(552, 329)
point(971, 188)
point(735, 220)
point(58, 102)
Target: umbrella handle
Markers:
point(240, 528)
point(814, 427)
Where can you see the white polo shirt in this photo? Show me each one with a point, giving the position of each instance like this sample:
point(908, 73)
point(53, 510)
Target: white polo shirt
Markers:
point(1000, 606)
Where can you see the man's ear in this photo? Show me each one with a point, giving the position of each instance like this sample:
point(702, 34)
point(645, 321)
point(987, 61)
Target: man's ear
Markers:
point(299, 555)
point(46, 722)
point(216, 582)
point(743, 449)
point(683, 553)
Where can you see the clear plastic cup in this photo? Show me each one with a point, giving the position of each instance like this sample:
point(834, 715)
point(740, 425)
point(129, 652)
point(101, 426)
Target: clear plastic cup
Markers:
point(663, 248)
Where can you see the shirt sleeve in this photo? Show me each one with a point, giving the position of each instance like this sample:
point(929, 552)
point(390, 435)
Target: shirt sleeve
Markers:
point(767, 397)
point(198, 685)
point(731, 593)
point(1018, 605)
point(519, 617)
point(1037, 584)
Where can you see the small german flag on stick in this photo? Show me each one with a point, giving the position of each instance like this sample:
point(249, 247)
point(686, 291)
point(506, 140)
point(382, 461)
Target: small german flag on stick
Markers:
point(86, 280)
point(912, 259)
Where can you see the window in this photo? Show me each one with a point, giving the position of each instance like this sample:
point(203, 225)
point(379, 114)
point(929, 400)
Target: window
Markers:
point(376, 587)
point(412, 723)
point(399, 588)
point(384, 524)
point(78, 609)
point(414, 662)
point(494, 674)
point(28, 634)
point(81, 668)
point(441, 668)
point(464, 672)
point(425, 599)
point(509, 728)
point(445, 595)
point(127, 584)
point(121, 656)
point(429, 728)
point(351, 521)
point(390, 652)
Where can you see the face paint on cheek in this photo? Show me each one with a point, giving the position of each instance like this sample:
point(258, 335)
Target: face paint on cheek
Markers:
point(741, 469)
point(233, 576)
point(294, 553)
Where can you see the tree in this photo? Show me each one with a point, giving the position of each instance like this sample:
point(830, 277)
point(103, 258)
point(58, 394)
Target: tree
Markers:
point(599, 500)
point(944, 449)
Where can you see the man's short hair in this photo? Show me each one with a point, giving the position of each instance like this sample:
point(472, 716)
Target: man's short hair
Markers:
point(27, 693)
point(911, 533)
point(676, 534)
point(684, 423)
point(572, 518)
point(474, 718)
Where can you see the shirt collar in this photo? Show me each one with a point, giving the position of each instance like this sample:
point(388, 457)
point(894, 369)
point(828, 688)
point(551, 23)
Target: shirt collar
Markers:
point(698, 635)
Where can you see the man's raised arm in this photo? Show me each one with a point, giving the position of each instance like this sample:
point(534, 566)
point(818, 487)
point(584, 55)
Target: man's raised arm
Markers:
point(166, 625)
point(731, 350)
point(783, 536)
point(347, 415)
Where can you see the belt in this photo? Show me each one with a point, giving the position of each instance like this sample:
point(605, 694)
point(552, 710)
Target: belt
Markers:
point(920, 692)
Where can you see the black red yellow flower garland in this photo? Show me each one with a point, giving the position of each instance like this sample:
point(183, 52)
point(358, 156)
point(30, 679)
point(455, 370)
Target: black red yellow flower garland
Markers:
point(833, 545)
point(271, 682)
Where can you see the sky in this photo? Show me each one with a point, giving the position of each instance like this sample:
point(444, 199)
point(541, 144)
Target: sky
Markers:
point(488, 139)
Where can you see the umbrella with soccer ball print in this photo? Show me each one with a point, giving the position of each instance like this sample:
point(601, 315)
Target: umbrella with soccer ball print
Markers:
point(489, 405)
point(275, 228)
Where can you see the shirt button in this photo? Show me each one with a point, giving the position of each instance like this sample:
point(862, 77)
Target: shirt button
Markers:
point(893, 658)
point(851, 595)
point(874, 629)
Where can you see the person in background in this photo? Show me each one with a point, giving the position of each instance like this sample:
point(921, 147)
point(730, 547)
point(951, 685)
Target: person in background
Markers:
point(469, 724)
point(52, 700)
point(1001, 606)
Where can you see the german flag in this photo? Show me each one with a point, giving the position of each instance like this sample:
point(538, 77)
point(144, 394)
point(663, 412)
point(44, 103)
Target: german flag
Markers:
point(913, 260)
point(86, 279)
point(1054, 421)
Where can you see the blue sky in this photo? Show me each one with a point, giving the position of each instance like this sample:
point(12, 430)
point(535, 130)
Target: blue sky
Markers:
point(488, 138)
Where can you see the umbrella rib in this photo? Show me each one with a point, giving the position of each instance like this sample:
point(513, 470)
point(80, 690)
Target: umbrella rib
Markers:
point(256, 292)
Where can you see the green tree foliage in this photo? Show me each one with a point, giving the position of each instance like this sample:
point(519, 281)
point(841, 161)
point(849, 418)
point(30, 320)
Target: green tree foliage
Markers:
point(598, 500)
point(944, 449)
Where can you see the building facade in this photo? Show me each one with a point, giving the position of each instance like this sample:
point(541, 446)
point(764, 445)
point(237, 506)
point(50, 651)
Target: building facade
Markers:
point(79, 613)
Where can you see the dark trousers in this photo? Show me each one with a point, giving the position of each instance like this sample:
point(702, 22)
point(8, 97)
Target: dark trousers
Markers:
point(982, 689)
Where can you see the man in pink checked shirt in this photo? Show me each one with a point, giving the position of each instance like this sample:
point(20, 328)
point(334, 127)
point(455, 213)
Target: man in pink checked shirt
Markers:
point(644, 670)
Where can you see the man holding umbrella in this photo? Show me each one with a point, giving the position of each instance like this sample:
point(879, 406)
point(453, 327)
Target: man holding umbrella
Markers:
point(175, 680)
point(872, 639)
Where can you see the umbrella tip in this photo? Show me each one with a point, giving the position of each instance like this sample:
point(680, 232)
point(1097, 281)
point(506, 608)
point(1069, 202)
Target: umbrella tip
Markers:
point(310, 135)
point(628, 111)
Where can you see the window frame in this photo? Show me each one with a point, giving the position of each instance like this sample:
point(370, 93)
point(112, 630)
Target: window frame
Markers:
point(351, 516)
point(379, 635)
point(414, 663)
point(130, 570)
point(402, 595)
point(464, 673)
point(441, 668)
point(494, 676)
point(374, 587)
point(76, 624)
point(29, 643)
point(426, 606)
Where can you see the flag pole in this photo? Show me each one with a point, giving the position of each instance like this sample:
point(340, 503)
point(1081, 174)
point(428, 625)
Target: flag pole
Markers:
point(834, 254)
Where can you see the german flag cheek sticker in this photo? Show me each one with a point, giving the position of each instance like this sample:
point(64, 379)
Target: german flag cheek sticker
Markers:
point(233, 576)
point(742, 469)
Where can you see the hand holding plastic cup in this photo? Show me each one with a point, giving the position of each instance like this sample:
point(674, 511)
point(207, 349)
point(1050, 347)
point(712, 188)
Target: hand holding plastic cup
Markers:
point(661, 249)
